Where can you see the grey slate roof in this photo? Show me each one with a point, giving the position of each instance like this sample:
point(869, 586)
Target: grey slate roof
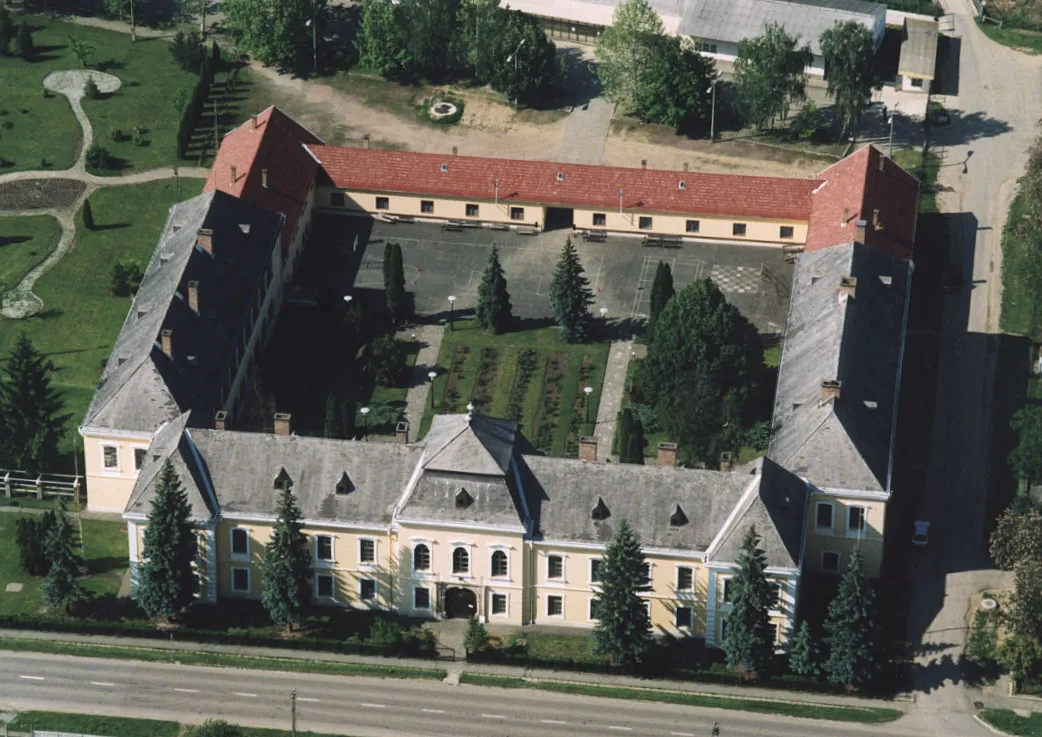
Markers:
point(495, 501)
point(918, 48)
point(845, 443)
point(141, 388)
point(469, 444)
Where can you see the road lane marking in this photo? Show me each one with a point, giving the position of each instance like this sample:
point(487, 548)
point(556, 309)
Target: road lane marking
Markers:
point(101, 683)
point(303, 698)
point(32, 678)
point(493, 716)
point(247, 695)
point(552, 721)
point(375, 706)
point(434, 711)
point(682, 734)
point(620, 729)
point(187, 690)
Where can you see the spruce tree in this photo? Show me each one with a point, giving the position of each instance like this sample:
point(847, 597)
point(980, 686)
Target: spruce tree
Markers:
point(88, 215)
point(394, 281)
point(661, 291)
point(348, 427)
point(748, 639)
point(804, 658)
point(6, 30)
point(23, 42)
point(493, 311)
point(334, 426)
point(852, 638)
point(570, 296)
point(286, 566)
point(166, 582)
point(622, 634)
point(31, 410)
point(635, 444)
point(623, 428)
point(61, 585)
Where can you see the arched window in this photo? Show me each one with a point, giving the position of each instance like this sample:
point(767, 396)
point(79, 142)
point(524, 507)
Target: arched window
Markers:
point(499, 563)
point(460, 561)
point(421, 558)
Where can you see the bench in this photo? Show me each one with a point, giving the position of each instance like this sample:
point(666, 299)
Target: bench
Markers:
point(399, 219)
point(528, 231)
point(451, 226)
point(497, 226)
point(651, 241)
point(594, 236)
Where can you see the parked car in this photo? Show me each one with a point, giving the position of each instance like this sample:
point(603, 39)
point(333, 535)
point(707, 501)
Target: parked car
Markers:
point(919, 537)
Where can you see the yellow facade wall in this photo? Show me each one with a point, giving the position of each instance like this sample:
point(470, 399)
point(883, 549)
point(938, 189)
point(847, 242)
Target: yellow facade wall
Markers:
point(838, 539)
point(709, 227)
point(444, 208)
point(108, 489)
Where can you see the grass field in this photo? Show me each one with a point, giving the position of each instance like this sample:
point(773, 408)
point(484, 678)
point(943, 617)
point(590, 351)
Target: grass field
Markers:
point(1030, 42)
point(1020, 266)
point(27, 721)
point(910, 160)
point(1005, 720)
point(81, 318)
point(24, 243)
point(48, 130)
point(532, 375)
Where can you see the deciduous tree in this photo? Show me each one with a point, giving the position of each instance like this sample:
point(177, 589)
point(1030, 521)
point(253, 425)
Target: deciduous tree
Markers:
point(1022, 614)
point(32, 417)
point(675, 87)
point(661, 292)
point(431, 36)
point(1017, 539)
point(626, 49)
point(525, 65)
point(493, 311)
point(167, 583)
point(286, 566)
point(61, 586)
point(82, 50)
point(1026, 457)
point(853, 634)
point(570, 295)
point(769, 75)
point(849, 53)
point(475, 639)
point(622, 634)
point(275, 33)
point(382, 41)
point(748, 639)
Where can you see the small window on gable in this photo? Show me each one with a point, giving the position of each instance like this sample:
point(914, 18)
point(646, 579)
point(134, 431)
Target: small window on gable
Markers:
point(600, 512)
point(463, 499)
point(344, 485)
point(283, 482)
point(678, 518)
point(140, 454)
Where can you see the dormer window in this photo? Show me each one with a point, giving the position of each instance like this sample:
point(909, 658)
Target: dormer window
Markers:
point(463, 499)
point(283, 482)
point(678, 518)
point(344, 485)
point(600, 512)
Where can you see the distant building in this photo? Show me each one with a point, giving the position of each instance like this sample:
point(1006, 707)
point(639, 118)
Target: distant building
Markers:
point(915, 67)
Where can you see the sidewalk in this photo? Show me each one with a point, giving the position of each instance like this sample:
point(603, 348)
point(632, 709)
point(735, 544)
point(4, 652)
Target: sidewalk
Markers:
point(611, 395)
point(429, 337)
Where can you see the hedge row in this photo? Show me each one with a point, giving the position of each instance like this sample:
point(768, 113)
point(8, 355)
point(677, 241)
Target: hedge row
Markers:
point(190, 115)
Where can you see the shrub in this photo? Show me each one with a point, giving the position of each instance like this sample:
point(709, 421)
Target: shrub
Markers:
point(88, 215)
point(388, 361)
point(126, 276)
point(97, 157)
point(807, 121)
point(188, 51)
point(386, 633)
point(139, 135)
point(216, 728)
point(476, 638)
point(90, 89)
point(117, 135)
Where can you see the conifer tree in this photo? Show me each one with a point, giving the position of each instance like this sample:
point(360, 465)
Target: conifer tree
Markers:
point(661, 292)
point(622, 634)
point(804, 658)
point(570, 296)
point(493, 311)
point(852, 638)
point(6, 30)
point(23, 42)
point(394, 281)
point(635, 444)
point(61, 585)
point(88, 215)
point(748, 639)
point(166, 582)
point(623, 426)
point(287, 566)
point(32, 421)
point(334, 420)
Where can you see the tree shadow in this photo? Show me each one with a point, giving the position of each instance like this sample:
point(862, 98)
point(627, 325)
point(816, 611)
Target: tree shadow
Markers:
point(111, 226)
point(109, 65)
point(11, 240)
point(965, 128)
point(578, 82)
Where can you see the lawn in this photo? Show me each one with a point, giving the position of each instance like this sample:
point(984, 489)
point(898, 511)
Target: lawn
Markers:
point(55, 721)
point(531, 375)
point(1030, 42)
point(1009, 722)
point(81, 318)
point(1020, 265)
point(45, 128)
point(24, 243)
point(105, 544)
point(911, 160)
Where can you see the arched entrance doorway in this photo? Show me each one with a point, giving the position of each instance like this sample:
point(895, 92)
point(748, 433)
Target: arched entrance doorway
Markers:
point(460, 603)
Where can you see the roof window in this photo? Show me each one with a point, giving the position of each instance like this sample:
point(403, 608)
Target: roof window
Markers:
point(463, 499)
point(682, 184)
point(283, 482)
point(444, 167)
point(678, 518)
point(600, 512)
point(560, 176)
point(344, 485)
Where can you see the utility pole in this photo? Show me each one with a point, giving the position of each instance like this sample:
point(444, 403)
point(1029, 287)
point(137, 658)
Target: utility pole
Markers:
point(202, 18)
point(712, 113)
point(133, 30)
point(293, 713)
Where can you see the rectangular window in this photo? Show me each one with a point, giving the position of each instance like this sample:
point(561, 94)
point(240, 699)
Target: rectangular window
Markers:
point(472, 211)
point(647, 573)
point(555, 567)
point(600, 219)
point(367, 551)
point(367, 589)
point(644, 223)
point(555, 606)
point(383, 203)
point(727, 591)
point(324, 586)
point(336, 199)
point(241, 580)
point(111, 456)
point(916, 82)
point(240, 542)
point(778, 589)
point(684, 618)
point(499, 604)
point(517, 213)
point(685, 579)
point(823, 516)
point(140, 454)
point(323, 547)
point(830, 561)
point(776, 629)
point(738, 229)
point(427, 207)
point(693, 226)
point(595, 570)
point(421, 598)
point(593, 609)
point(785, 231)
point(855, 520)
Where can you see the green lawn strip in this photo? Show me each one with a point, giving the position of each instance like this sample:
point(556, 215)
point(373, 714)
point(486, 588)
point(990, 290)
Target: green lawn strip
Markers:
point(1008, 721)
point(222, 660)
point(926, 171)
point(24, 243)
point(863, 715)
point(534, 396)
point(1019, 288)
point(506, 374)
point(1030, 42)
point(56, 721)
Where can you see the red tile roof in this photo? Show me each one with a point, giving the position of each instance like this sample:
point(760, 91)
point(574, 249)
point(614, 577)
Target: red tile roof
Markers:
point(652, 190)
point(853, 189)
point(271, 141)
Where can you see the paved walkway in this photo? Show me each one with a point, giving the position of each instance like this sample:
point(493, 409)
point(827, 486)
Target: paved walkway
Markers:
point(418, 396)
point(586, 132)
point(611, 396)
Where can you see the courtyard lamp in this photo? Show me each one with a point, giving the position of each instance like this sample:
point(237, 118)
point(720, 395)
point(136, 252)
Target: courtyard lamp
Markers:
point(588, 390)
point(432, 375)
point(514, 58)
point(712, 114)
point(365, 422)
point(890, 147)
point(452, 302)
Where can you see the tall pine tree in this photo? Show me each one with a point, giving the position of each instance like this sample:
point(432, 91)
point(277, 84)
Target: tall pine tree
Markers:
point(394, 281)
point(623, 631)
point(61, 585)
point(661, 292)
point(633, 450)
point(166, 582)
point(804, 657)
point(623, 428)
point(570, 296)
point(493, 312)
point(32, 421)
point(287, 566)
point(87, 215)
point(748, 638)
point(334, 426)
point(852, 632)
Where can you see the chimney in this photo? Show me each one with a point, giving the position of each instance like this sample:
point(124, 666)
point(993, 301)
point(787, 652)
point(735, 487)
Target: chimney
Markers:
point(643, 163)
point(685, 166)
point(264, 178)
point(193, 296)
point(846, 217)
point(166, 341)
point(253, 124)
point(848, 286)
point(235, 172)
point(587, 448)
point(204, 239)
point(365, 140)
point(220, 420)
point(882, 162)
point(401, 433)
point(455, 150)
point(725, 461)
point(282, 423)
point(667, 455)
point(859, 231)
point(829, 390)
point(876, 225)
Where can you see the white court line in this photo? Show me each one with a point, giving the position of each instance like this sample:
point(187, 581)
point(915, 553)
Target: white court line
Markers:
point(101, 683)
point(247, 695)
point(187, 690)
point(375, 706)
point(304, 698)
point(32, 678)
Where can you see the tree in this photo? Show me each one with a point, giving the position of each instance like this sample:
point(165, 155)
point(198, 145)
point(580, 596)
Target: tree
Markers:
point(215, 57)
point(493, 311)
point(849, 53)
point(853, 637)
point(430, 36)
point(216, 728)
point(704, 366)
point(1020, 655)
point(1023, 611)
point(661, 292)
point(626, 49)
point(388, 361)
point(126, 277)
point(623, 428)
point(808, 121)
point(82, 50)
point(622, 634)
point(394, 281)
point(97, 157)
point(334, 425)
point(381, 43)
point(61, 585)
point(748, 638)
point(570, 295)
point(475, 640)
point(32, 418)
point(804, 658)
point(675, 87)
point(31, 535)
point(88, 215)
point(769, 74)
point(6, 31)
point(277, 34)
point(1026, 457)
point(167, 583)
point(286, 565)
point(480, 24)
point(1017, 539)
point(188, 51)
point(525, 63)
point(631, 447)
point(91, 89)
point(23, 42)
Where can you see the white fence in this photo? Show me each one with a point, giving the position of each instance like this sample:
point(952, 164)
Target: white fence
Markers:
point(41, 486)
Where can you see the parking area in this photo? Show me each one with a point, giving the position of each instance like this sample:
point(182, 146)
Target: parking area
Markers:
point(442, 263)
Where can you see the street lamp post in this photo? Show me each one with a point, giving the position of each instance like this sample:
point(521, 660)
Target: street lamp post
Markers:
point(432, 375)
point(514, 58)
point(452, 302)
point(712, 113)
point(313, 24)
point(588, 390)
point(890, 147)
point(365, 422)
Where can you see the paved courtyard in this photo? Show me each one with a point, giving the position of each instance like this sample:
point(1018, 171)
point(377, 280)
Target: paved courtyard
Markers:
point(442, 263)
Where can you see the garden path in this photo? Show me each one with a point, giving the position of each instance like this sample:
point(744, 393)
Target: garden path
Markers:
point(612, 391)
point(429, 337)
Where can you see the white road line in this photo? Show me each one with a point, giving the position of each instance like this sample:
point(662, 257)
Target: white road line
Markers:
point(552, 721)
point(620, 729)
point(682, 734)
point(187, 690)
point(493, 716)
point(101, 683)
point(434, 711)
point(375, 706)
point(304, 698)
point(32, 678)
point(247, 695)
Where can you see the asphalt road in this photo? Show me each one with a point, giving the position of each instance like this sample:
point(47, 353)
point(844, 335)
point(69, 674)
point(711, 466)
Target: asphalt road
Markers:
point(367, 707)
